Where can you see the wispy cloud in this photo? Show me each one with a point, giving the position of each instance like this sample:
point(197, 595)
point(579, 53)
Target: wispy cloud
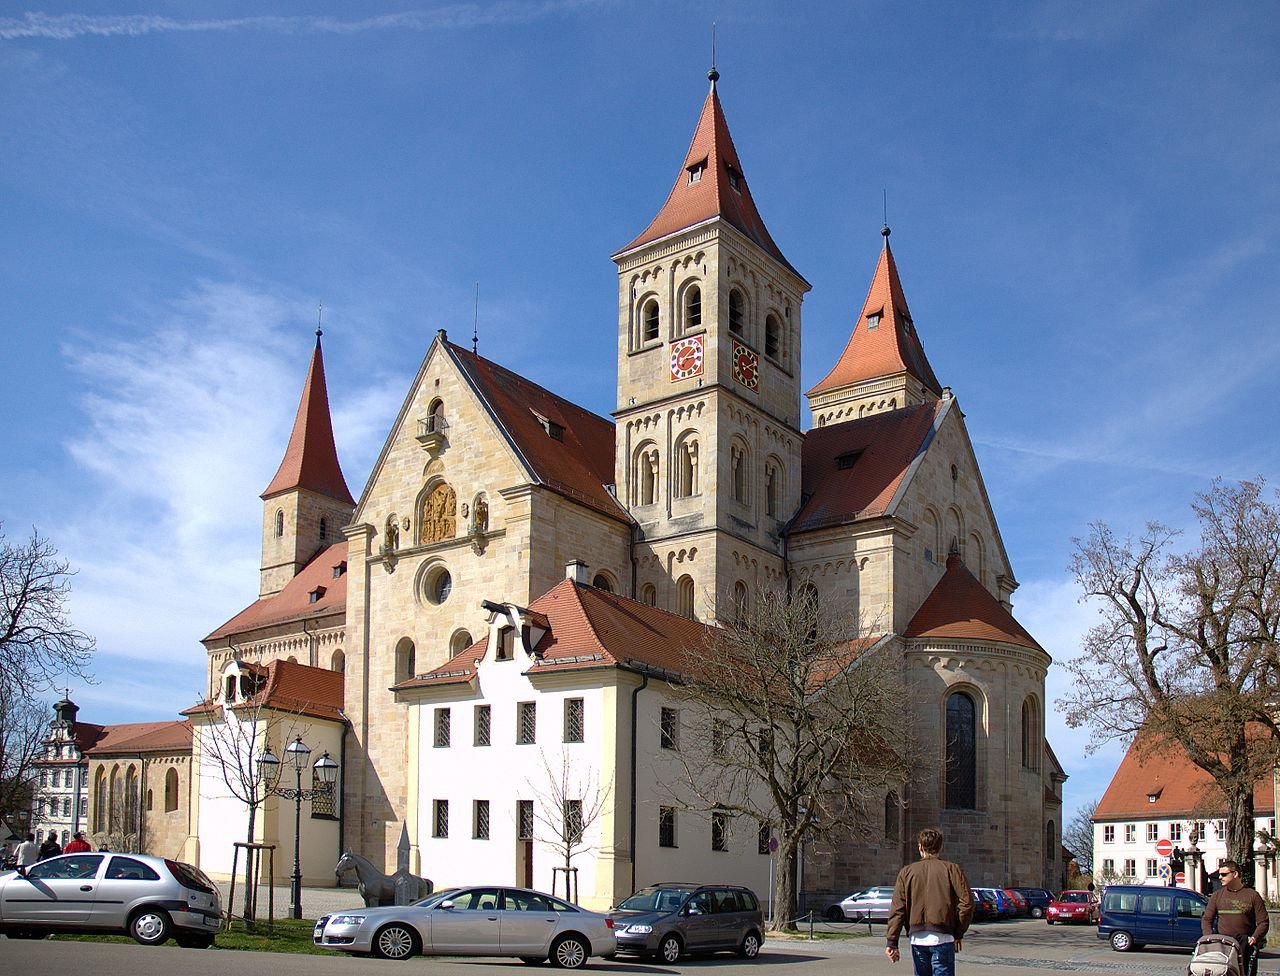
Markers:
point(65, 27)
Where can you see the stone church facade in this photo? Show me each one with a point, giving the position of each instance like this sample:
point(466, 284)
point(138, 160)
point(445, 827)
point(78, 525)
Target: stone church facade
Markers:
point(701, 489)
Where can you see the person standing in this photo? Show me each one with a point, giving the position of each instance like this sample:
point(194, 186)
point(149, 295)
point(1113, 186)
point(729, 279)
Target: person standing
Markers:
point(77, 844)
point(1239, 912)
point(932, 901)
point(51, 847)
point(28, 852)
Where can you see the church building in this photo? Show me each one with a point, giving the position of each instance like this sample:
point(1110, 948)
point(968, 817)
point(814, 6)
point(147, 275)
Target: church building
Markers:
point(504, 597)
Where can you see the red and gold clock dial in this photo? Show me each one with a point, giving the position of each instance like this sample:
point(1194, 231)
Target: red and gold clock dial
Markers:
point(686, 358)
point(746, 366)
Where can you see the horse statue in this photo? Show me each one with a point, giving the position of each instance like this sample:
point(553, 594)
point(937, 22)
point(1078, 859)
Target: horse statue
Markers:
point(376, 888)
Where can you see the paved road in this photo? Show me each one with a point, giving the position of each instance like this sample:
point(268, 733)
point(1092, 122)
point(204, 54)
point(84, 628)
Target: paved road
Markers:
point(1025, 948)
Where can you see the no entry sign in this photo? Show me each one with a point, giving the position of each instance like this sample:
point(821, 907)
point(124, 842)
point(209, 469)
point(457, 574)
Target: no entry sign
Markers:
point(1164, 847)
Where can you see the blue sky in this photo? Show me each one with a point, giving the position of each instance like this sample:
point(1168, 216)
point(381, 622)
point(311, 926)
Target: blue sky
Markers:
point(1084, 199)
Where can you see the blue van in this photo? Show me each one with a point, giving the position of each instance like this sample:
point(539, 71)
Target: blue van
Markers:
point(1138, 915)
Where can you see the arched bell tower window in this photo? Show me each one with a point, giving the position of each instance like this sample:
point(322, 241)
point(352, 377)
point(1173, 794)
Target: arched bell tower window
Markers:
point(324, 529)
point(1030, 734)
point(962, 752)
point(772, 337)
point(737, 313)
point(772, 487)
point(645, 475)
point(684, 597)
point(741, 602)
point(649, 595)
point(279, 522)
point(649, 319)
point(406, 660)
point(692, 309)
point(602, 582)
point(739, 475)
point(686, 467)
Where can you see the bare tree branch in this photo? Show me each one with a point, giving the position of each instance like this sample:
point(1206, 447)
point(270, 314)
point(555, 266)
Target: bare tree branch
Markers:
point(23, 726)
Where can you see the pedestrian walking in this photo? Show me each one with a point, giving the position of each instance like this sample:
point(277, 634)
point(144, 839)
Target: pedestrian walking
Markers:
point(28, 852)
point(1239, 912)
point(932, 901)
point(77, 845)
point(51, 847)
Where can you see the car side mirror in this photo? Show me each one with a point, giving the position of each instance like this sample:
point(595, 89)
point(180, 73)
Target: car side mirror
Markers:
point(446, 905)
point(693, 910)
point(22, 870)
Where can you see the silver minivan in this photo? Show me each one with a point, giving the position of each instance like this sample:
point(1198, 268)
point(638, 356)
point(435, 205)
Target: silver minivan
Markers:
point(149, 898)
point(670, 919)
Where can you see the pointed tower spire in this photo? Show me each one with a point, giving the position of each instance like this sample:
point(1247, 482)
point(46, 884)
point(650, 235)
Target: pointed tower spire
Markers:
point(710, 184)
point(883, 365)
point(311, 459)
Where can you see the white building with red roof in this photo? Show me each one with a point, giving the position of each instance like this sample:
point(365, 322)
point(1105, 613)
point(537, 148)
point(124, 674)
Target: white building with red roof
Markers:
point(702, 488)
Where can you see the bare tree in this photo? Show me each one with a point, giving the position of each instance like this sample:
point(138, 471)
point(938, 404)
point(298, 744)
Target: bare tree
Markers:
point(794, 726)
point(1185, 656)
point(23, 724)
point(1077, 836)
point(233, 745)
point(569, 801)
point(37, 641)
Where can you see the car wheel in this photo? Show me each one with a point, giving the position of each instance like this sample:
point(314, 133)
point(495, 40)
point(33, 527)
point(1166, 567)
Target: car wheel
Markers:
point(570, 952)
point(150, 926)
point(750, 947)
point(835, 914)
point(1121, 941)
point(194, 941)
point(1037, 912)
point(670, 949)
point(395, 941)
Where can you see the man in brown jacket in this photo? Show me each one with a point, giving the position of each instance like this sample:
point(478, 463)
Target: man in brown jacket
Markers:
point(932, 899)
point(1240, 913)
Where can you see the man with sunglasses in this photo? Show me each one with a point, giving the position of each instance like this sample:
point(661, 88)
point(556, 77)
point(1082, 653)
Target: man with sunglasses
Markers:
point(1239, 912)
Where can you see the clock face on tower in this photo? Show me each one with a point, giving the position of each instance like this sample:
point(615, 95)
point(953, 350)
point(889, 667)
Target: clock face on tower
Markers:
point(746, 366)
point(686, 358)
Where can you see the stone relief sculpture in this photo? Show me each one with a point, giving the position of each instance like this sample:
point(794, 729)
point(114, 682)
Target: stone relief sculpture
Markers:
point(439, 515)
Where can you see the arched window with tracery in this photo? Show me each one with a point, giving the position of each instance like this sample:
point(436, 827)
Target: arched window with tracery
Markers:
point(962, 752)
point(438, 514)
point(686, 467)
point(100, 800)
point(1030, 734)
point(646, 474)
point(684, 596)
point(692, 308)
point(649, 321)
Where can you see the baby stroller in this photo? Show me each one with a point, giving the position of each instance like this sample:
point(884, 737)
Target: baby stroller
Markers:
point(1217, 955)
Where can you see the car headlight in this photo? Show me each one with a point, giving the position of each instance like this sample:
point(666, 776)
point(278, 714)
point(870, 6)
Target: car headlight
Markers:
point(347, 920)
point(639, 929)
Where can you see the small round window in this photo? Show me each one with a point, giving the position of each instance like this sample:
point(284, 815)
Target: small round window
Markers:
point(439, 586)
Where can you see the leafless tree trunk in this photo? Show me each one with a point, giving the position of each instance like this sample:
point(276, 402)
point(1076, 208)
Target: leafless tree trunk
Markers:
point(791, 721)
point(1077, 836)
point(37, 641)
point(23, 724)
point(1185, 656)
point(569, 802)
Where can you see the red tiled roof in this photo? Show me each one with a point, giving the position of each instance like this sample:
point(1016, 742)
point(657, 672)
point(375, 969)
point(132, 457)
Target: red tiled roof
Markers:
point(590, 628)
point(140, 737)
point(294, 601)
point(884, 445)
point(579, 464)
point(1184, 789)
point(311, 459)
point(714, 194)
point(292, 687)
point(890, 348)
point(962, 608)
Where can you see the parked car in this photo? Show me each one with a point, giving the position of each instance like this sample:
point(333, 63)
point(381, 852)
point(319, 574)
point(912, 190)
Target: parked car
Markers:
point(984, 905)
point(1021, 907)
point(871, 905)
point(1137, 915)
point(1038, 899)
point(1004, 904)
point(473, 922)
point(1072, 906)
point(667, 920)
point(149, 898)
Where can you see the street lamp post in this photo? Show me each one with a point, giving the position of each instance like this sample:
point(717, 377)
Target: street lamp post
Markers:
point(324, 773)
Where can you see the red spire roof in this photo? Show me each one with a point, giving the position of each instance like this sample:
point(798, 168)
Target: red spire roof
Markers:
point(311, 459)
point(961, 607)
point(720, 189)
point(892, 346)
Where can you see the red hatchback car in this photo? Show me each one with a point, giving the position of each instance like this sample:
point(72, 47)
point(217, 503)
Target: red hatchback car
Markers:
point(1073, 906)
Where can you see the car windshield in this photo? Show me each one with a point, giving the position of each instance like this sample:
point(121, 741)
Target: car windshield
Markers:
point(1073, 896)
point(656, 900)
point(436, 897)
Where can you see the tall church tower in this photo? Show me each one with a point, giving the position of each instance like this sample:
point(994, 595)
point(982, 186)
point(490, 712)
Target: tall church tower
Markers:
point(708, 420)
point(883, 365)
point(307, 503)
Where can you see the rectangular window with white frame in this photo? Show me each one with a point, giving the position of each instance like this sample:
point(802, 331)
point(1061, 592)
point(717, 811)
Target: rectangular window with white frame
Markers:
point(1153, 832)
point(1109, 866)
point(1152, 868)
point(1130, 833)
point(1175, 832)
point(1109, 833)
point(1221, 828)
point(1130, 867)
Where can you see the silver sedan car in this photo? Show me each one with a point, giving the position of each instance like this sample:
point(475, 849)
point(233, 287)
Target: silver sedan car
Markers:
point(871, 905)
point(489, 921)
point(149, 898)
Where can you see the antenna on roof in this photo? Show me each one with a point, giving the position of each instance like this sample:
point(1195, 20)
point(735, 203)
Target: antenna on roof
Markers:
point(475, 324)
point(713, 74)
point(885, 200)
point(319, 320)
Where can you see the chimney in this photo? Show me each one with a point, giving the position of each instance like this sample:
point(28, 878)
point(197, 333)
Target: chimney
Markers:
point(577, 571)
